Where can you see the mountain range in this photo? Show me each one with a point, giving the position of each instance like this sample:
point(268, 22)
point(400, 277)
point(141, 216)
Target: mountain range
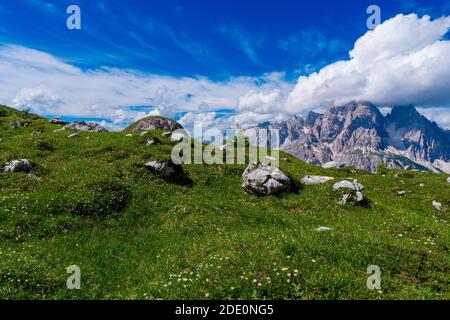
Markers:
point(358, 135)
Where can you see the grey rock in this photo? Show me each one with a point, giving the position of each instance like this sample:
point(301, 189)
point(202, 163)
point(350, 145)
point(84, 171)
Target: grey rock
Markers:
point(86, 126)
point(437, 205)
point(448, 179)
point(73, 135)
point(36, 133)
point(331, 165)
point(128, 135)
point(59, 130)
point(401, 193)
point(166, 169)
point(312, 180)
point(17, 166)
point(262, 179)
point(349, 185)
point(155, 123)
point(58, 121)
point(349, 192)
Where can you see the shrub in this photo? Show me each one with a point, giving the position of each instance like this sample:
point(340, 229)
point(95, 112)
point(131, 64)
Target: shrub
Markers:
point(382, 169)
point(102, 198)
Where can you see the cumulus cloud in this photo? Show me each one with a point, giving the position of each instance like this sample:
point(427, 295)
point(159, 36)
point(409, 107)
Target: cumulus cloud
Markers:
point(261, 102)
point(42, 82)
point(403, 61)
point(38, 100)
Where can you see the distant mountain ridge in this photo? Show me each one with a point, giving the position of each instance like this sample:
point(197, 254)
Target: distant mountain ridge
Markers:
point(357, 134)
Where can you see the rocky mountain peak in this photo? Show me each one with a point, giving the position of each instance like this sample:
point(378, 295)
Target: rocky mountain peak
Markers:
point(357, 134)
point(405, 116)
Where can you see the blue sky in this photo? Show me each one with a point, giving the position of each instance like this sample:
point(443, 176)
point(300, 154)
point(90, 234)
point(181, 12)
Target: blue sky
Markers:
point(217, 39)
point(266, 45)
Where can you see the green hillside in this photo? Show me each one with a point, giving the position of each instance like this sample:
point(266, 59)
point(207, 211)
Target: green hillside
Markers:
point(89, 201)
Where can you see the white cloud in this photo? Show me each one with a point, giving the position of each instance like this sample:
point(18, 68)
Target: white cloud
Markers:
point(38, 100)
point(261, 102)
point(403, 61)
point(38, 80)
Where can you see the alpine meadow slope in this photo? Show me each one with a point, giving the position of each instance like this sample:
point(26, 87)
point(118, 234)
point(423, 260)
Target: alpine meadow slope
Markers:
point(90, 201)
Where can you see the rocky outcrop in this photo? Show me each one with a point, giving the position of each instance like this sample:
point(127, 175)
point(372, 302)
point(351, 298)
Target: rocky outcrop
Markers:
point(86, 126)
point(58, 122)
point(154, 123)
point(165, 169)
point(264, 180)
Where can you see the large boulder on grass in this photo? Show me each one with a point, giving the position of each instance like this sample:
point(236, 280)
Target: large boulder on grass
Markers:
point(154, 123)
point(349, 192)
point(166, 169)
point(265, 180)
point(17, 166)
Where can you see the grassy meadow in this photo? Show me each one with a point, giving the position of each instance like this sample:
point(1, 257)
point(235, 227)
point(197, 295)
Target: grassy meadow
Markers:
point(90, 202)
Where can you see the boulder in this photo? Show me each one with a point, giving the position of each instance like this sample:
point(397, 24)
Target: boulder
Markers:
point(166, 169)
point(401, 193)
point(129, 135)
point(264, 180)
point(154, 123)
point(448, 179)
point(86, 126)
point(60, 129)
point(349, 192)
point(349, 185)
point(58, 121)
point(437, 205)
point(36, 133)
point(17, 166)
point(331, 164)
point(312, 180)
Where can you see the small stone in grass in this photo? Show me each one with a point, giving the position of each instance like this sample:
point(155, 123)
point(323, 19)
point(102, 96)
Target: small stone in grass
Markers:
point(323, 229)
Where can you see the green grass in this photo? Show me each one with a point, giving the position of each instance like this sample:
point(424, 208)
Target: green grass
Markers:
point(135, 236)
